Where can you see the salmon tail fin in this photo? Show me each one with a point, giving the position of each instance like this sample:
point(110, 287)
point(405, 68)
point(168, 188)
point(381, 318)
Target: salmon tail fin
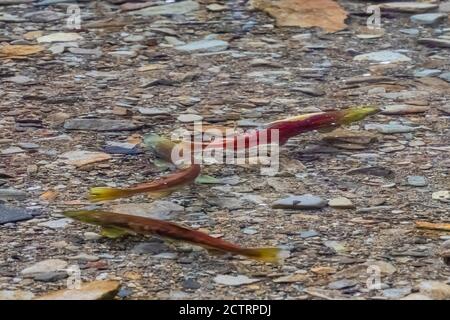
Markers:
point(271, 255)
point(104, 193)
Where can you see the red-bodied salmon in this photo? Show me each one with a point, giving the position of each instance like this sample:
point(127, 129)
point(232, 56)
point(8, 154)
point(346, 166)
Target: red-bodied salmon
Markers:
point(156, 188)
point(116, 225)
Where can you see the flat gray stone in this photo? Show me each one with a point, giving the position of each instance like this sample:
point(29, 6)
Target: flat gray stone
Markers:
point(408, 6)
point(20, 79)
point(101, 125)
point(51, 276)
point(385, 56)
point(11, 150)
point(429, 18)
point(153, 111)
point(44, 16)
point(159, 209)
point(341, 203)
point(435, 289)
point(12, 194)
point(401, 109)
point(410, 31)
point(150, 248)
point(390, 128)
point(181, 7)
point(234, 280)
point(419, 73)
point(417, 181)
point(396, 293)
point(8, 214)
point(16, 295)
point(204, 45)
point(342, 284)
point(45, 266)
point(56, 224)
point(96, 290)
point(435, 42)
point(445, 76)
point(306, 201)
point(309, 234)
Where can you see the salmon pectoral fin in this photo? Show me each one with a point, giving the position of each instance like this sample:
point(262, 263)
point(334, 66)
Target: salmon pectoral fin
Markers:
point(271, 255)
point(113, 232)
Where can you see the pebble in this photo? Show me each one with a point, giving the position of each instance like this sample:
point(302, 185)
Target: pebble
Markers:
point(306, 201)
point(309, 234)
point(189, 118)
point(92, 236)
point(154, 111)
point(214, 7)
point(341, 203)
point(12, 194)
point(52, 276)
point(435, 289)
point(56, 224)
point(410, 31)
point(337, 246)
point(312, 91)
point(20, 80)
point(383, 266)
point(408, 6)
point(11, 150)
point(249, 231)
point(426, 72)
point(80, 158)
point(342, 284)
point(124, 292)
point(166, 255)
point(446, 244)
point(396, 293)
point(384, 56)
point(234, 280)
point(10, 214)
point(391, 128)
point(28, 145)
point(417, 181)
point(96, 290)
point(416, 296)
point(60, 37)
point(16, 295)
point(443, 195)
point(84, 257)
point(445, 76)
point(293, 278)
point(43, 16)
point(435, 42)
point(403, 109)
point(114, 147)
point(159, 209)
point(204, 46)
point(45, 266)
point(101, 125)
point(190, 284)
point(429, 18)
point(150, 248)
point(177, 8)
